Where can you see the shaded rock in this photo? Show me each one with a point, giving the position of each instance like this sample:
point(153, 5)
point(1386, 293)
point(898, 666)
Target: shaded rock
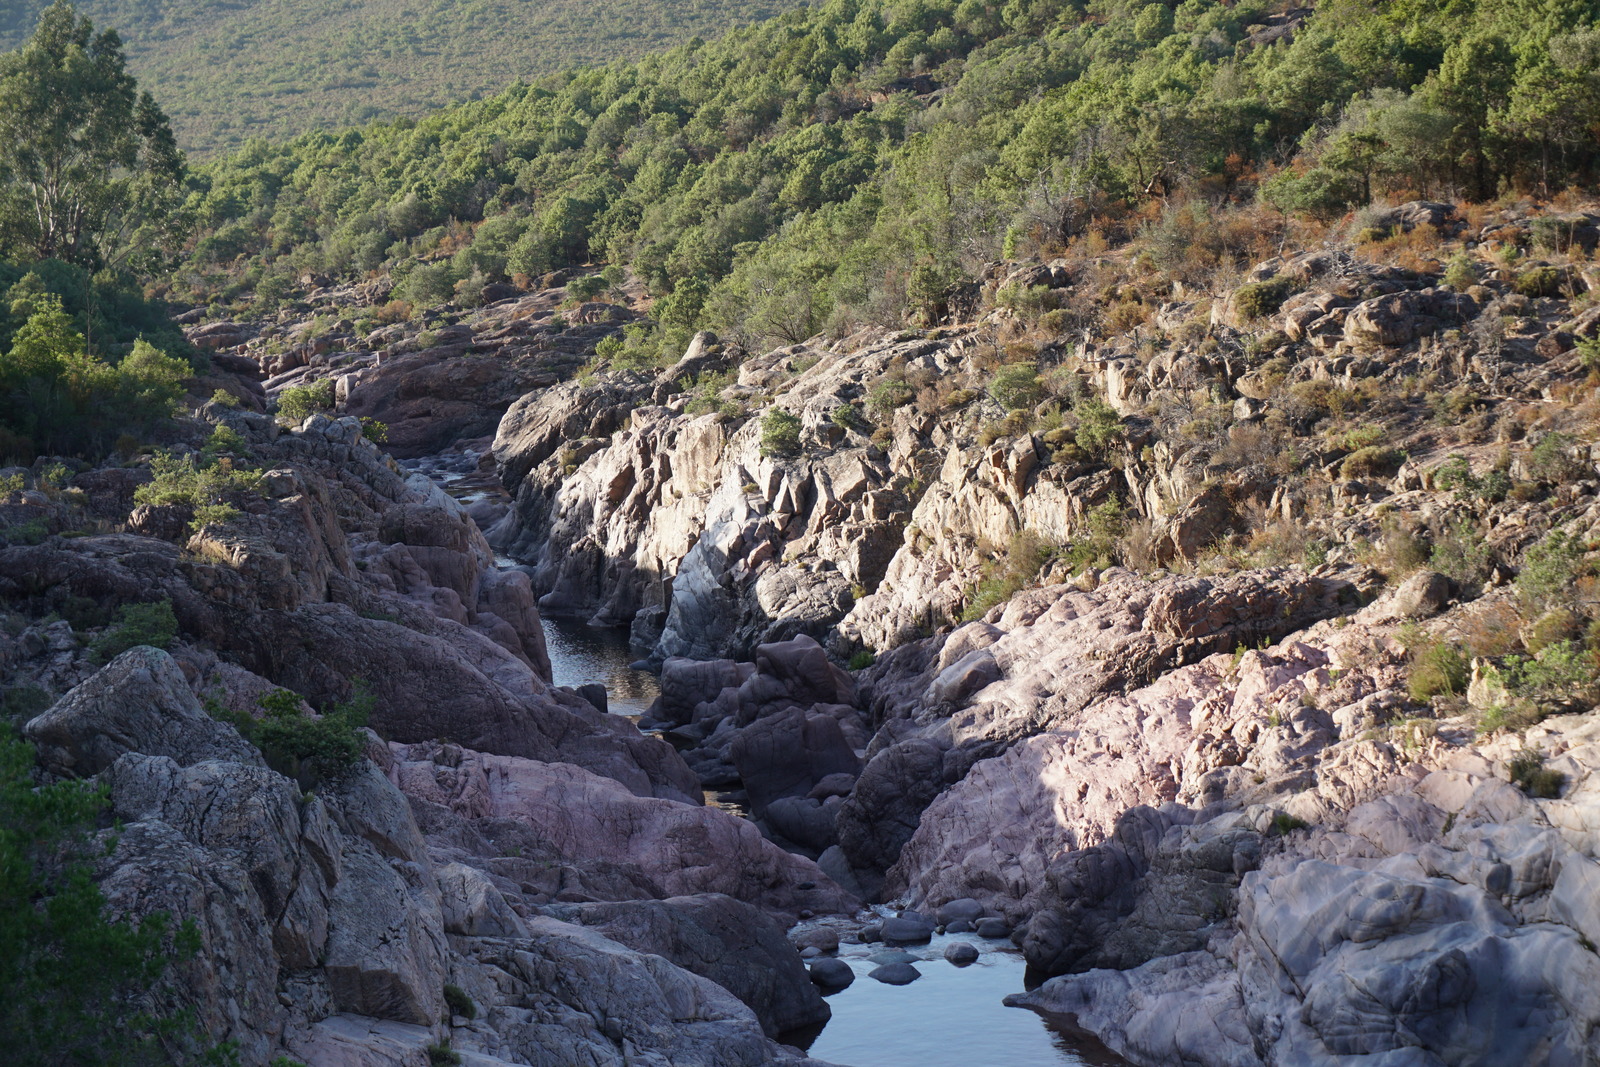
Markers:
point(960, 953)
point(907, 931)
point(832, 974)
point(140, 702)
point(730, 942)
point(895, 974)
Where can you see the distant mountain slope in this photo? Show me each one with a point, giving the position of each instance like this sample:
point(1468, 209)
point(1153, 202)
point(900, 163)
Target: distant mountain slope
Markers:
point(227, 70)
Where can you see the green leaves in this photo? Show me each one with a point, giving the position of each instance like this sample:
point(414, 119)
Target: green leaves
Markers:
point(93, 174)
point(74, 986)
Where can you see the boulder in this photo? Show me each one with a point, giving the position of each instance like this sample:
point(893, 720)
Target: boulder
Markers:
point(140, 702)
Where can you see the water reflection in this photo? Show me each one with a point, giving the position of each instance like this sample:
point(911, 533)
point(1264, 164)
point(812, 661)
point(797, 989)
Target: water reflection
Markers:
point(581, 654)
point(950, 1017)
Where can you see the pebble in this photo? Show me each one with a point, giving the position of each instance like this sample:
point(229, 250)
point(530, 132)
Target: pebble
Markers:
point(896, 974)
point(871, 933)
point(810, 952)
point(960, 926)
point(892, 955)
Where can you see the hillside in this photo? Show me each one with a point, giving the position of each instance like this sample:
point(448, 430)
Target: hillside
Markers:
point(227, 70)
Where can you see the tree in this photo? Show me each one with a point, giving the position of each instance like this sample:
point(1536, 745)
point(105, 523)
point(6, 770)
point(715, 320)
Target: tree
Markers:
point(89, 170)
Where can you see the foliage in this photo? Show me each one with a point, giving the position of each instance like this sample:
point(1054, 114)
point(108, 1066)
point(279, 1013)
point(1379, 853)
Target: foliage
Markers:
point(459, 1003)
point(1550, 570)
point(299, 402)
point(206, 482)
point(862, 660)
point(1016, 385)
point(93, 175)
point(1099, 426)
point(1098, 542)
point(312, 749)
point(1371, 461)
point(781, 173)
point(74, 984)
point(1438, 667)
point(152, 624)
point(780, 433)
point(56, 397)
point(1460, 553)
point(1008, 573)
point(1527, 770)
point(1257, 300)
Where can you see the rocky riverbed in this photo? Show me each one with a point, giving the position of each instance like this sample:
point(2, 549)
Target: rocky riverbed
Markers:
point(1259, 730)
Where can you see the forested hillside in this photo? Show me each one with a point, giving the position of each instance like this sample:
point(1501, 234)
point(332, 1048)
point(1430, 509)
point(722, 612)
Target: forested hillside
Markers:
point(227, 70)
point(860, 162)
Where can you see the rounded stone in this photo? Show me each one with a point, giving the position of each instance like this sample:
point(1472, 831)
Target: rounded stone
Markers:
point(907, 931)
point(896, 974)
point(956, 910)
point(892, 955)
point(993, 928)
point(831, 974)
point(961, 953)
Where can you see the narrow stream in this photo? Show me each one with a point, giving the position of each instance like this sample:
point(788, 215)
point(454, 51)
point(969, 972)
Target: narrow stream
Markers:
point(949, 1017)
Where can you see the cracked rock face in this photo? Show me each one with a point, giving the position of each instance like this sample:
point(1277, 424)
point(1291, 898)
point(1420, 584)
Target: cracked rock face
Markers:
point(330, 923)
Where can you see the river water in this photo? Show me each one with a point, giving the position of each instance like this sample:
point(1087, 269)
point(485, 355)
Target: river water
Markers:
point(950, 1017)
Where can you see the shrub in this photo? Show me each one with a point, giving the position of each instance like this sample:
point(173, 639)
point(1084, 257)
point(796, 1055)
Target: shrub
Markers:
point(1540, 281)
point(889, 394)
point(440, 1055)
point(223, 398)
point(780, 433)
point(862, 660)
point(459, 1002)
point(298, 402)
point(1549, 571)
point(1551, 461)
point(1459, 552)
point(1099, 426)
point(1006, 575)
point(1459, 274)
point(373, 430)
point(75, 987)
point(1438, 668)
point(152, 624)
point(1527, 771)
point(1099, 537)
point(1371, 462)
point(1016, 386)
point(181, 481)
point(1257, 300)
point(321, 749)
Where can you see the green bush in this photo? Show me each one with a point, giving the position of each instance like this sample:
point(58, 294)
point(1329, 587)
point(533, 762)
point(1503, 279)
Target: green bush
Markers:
point(1099, 426)
point(1371, 462)
point(295, 744)
point(889, 394)
point(1460, 274)
point(1005, 576)
point(181, 481)
point(299, 402)
point(1541, 281)
point(780, 433)
point(1016, 386)
point(74, 987)
point(1438, 668)
point(152, 624)
point(1527, 771)
point(459, 1003)
point(862, 660)
point(1550, 570)
point(1257, 300)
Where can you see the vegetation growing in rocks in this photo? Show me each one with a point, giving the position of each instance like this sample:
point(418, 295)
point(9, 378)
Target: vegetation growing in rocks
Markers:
point(208, 485)
point(152, 624)
point(72, 979)
point(313, 749)
point(299, 402)
point(780, 433)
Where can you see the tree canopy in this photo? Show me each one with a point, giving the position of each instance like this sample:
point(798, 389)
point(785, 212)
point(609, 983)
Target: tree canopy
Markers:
point(89, 171)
